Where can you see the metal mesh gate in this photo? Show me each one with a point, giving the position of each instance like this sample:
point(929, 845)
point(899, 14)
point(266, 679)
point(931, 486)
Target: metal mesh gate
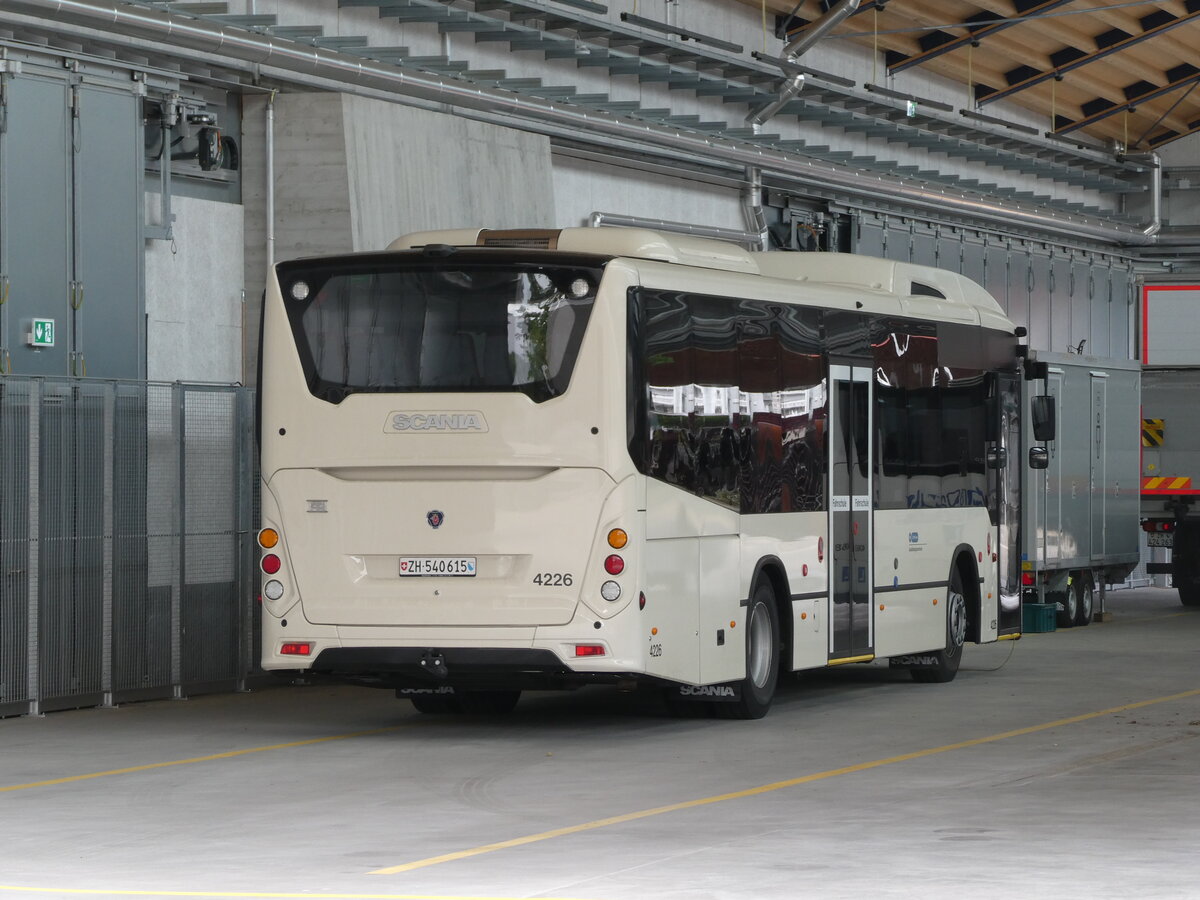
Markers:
point(126, 557)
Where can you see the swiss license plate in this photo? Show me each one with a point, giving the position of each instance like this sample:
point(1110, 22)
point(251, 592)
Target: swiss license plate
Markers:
point(1160, 539)
point(462, 566)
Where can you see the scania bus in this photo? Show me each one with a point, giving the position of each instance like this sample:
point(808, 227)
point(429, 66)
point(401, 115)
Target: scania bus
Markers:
point(495, 461)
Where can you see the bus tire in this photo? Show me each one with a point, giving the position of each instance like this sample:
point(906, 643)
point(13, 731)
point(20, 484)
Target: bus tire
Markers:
point(1085, 598)
point(763, 652)
point(487, 703)
point(950, 656)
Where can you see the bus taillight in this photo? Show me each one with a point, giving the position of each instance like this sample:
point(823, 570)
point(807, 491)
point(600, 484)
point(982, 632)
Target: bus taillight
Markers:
point(610, 591)
point(589, 649)
point(271, 564)
point(614, 565)
point(296, 648)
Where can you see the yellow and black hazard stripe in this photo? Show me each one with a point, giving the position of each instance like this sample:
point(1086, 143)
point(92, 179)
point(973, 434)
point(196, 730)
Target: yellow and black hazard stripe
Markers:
point(1168, 484)
point(1152, 432)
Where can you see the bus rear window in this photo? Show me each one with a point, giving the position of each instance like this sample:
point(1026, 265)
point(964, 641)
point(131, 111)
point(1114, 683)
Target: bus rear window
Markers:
point(442, 327)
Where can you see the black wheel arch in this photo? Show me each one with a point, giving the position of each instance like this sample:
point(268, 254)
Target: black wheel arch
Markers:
point(773, 570)
point(965, 560)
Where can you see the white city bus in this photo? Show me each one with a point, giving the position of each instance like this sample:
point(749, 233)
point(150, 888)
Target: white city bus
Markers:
point(495, 461)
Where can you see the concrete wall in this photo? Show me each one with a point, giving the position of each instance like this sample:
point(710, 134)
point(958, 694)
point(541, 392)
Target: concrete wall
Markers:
point(581, 188)
point(194, 303)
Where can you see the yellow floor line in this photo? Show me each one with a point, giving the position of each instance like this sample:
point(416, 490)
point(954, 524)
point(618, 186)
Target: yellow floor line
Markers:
point(90, 892)
point(767, 788)
point(230, 754)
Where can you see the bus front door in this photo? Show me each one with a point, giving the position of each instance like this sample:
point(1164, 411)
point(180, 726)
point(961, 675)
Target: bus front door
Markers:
point(851, 631)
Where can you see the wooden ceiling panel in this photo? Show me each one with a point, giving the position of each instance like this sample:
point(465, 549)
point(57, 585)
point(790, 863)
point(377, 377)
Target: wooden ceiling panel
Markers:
point(1125, 66)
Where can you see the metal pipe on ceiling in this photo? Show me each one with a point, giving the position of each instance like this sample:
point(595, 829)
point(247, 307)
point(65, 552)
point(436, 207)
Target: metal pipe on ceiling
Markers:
point(793, 51)
point(266, 50)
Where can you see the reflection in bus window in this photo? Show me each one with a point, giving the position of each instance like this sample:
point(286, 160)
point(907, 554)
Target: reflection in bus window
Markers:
point(735, 400)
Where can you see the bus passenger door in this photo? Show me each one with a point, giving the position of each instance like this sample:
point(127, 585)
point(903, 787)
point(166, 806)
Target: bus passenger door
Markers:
point(851, 624)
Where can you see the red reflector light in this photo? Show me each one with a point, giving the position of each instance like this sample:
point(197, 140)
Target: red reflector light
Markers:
point(1027, 578)
point(641, 601)
point(296, 649)
point(271, 563)
point(589, 649)
point(614, 565)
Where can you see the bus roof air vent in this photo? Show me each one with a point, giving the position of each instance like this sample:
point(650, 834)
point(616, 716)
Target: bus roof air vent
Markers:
point(529, 239)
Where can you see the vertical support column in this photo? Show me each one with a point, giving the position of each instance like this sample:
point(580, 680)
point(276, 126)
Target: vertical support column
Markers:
point(180, 404)
point(243, 532)
point(106, 538)
point(33, 646)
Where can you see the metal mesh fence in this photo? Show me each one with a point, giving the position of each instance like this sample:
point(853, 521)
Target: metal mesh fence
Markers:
point(126, 557)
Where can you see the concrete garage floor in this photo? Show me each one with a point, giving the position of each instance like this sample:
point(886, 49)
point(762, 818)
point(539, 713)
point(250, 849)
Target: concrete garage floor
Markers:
point(1064, 765)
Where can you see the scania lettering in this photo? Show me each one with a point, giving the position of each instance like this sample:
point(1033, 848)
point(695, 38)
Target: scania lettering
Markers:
point(437, 422)
point(613, 456)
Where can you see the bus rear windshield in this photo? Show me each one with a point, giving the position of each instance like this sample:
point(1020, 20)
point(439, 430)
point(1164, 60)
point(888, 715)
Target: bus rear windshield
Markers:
point(437, 326)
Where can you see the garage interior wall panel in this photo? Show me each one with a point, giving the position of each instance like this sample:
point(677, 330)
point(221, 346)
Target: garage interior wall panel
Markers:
point(15, 547)
point(36, 196)
point(127, 546)
point(997, 262)
point(70, 530)
point(411, 170)
point(194, 294)
point(582, 187)
point(1061, 295)
point(108, 164)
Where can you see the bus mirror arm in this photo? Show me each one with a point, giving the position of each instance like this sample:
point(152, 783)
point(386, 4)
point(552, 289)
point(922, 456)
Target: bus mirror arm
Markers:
point(1039, 458)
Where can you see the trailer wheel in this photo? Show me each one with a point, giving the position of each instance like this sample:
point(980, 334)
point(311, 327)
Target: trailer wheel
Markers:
point(1067, 616)
point(1085, 595)
point(949, 657)
point(1185, 567)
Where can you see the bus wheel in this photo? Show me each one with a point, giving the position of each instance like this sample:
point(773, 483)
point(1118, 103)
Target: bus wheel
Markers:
point(1084, 598)
point(762, 657)
point(949, 657)
point(487, 703)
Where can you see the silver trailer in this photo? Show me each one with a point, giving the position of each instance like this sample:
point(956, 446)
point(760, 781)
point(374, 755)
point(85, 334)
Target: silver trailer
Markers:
point(1079, 521)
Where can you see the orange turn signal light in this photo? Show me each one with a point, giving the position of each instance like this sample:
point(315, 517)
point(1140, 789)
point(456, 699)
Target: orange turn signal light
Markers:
point(268, 538)
point(617, 538)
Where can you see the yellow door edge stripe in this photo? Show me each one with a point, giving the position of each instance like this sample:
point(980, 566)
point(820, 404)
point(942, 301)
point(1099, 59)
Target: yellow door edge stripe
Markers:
point(768, 788)
point(851, 659)
point(1010, 637)
point(229, 754)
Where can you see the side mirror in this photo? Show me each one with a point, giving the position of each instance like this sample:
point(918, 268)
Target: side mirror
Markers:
point(1042, 411)
point(998, 458)
point(1039, 458)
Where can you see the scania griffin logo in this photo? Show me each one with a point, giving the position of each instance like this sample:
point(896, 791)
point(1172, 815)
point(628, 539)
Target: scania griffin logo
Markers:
point(435, 518)
point(399, 422)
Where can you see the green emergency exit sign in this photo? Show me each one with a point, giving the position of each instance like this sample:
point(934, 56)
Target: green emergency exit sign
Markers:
point(41, 334)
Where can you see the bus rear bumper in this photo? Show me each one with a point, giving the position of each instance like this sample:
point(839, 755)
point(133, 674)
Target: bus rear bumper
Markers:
point(462, 667)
